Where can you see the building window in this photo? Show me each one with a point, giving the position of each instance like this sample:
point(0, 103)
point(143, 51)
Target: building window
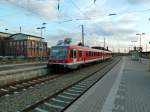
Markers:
point(25, 43)
point(10, 43)
point(21, 43)
point(17, 43)
point(14, 43)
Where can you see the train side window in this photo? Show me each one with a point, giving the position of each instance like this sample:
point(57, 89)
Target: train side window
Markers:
point(71, 53)
point(87, 53)
point(80, 54)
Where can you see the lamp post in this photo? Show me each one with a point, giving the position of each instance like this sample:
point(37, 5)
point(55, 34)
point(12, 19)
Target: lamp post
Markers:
point(149, 56)
point(140, 49)
point(140, 34)
point(40, 45)
point(41, 28)
point(134, 47)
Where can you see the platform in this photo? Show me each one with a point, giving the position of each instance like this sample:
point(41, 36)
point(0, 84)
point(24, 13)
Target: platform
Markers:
point(126, 88)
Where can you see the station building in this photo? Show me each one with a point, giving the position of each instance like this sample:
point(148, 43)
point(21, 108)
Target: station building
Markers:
point(3, 38)
point(22, 45)
point(27, 46)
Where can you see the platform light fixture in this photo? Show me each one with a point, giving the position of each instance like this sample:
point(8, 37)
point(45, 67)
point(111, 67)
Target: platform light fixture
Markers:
point(140, 34)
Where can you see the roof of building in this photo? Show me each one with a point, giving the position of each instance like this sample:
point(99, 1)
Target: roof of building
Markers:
point(26, 35)
point(4, 34)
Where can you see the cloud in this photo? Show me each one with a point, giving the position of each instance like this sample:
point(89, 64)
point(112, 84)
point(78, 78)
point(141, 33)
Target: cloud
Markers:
point(110, 29)
point(138, 1)
point(44, 8)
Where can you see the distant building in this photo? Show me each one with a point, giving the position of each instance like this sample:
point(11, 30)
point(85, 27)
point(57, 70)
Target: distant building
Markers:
point(25, 45)
point(3, 38)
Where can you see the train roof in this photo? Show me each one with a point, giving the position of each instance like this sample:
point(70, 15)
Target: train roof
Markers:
point(81, 47)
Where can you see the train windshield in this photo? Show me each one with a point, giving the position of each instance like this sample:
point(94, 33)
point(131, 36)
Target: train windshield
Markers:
point(58, 53)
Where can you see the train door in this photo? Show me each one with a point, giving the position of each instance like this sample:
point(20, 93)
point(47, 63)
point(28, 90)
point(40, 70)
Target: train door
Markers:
point(74, 56)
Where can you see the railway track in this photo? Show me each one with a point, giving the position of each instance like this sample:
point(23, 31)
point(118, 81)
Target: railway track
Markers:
point(16, 87)
point(23, 85)
point(64, 98)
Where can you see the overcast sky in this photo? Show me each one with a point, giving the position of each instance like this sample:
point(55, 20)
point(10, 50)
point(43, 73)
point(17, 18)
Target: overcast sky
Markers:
point(119, 30)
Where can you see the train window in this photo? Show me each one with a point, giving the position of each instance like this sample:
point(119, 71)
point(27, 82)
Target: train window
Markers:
point(80, 54)
point(74, 54)
point(71, 53)
point(87, 53)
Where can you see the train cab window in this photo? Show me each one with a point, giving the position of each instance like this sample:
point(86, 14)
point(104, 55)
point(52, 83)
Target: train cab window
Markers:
point(71, 53)
point(74, 54)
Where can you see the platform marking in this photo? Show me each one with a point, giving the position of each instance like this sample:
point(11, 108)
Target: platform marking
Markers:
point(109, 102)
point(54, 106)
point(40, 110)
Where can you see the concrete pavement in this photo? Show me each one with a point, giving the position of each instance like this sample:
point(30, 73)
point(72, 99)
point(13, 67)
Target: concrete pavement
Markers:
point(126, 88)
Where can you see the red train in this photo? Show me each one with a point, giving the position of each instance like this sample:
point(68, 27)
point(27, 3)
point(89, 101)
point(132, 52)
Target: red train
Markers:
point(73, 56)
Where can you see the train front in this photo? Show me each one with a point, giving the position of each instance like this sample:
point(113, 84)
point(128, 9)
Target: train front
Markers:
point(58, 57)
